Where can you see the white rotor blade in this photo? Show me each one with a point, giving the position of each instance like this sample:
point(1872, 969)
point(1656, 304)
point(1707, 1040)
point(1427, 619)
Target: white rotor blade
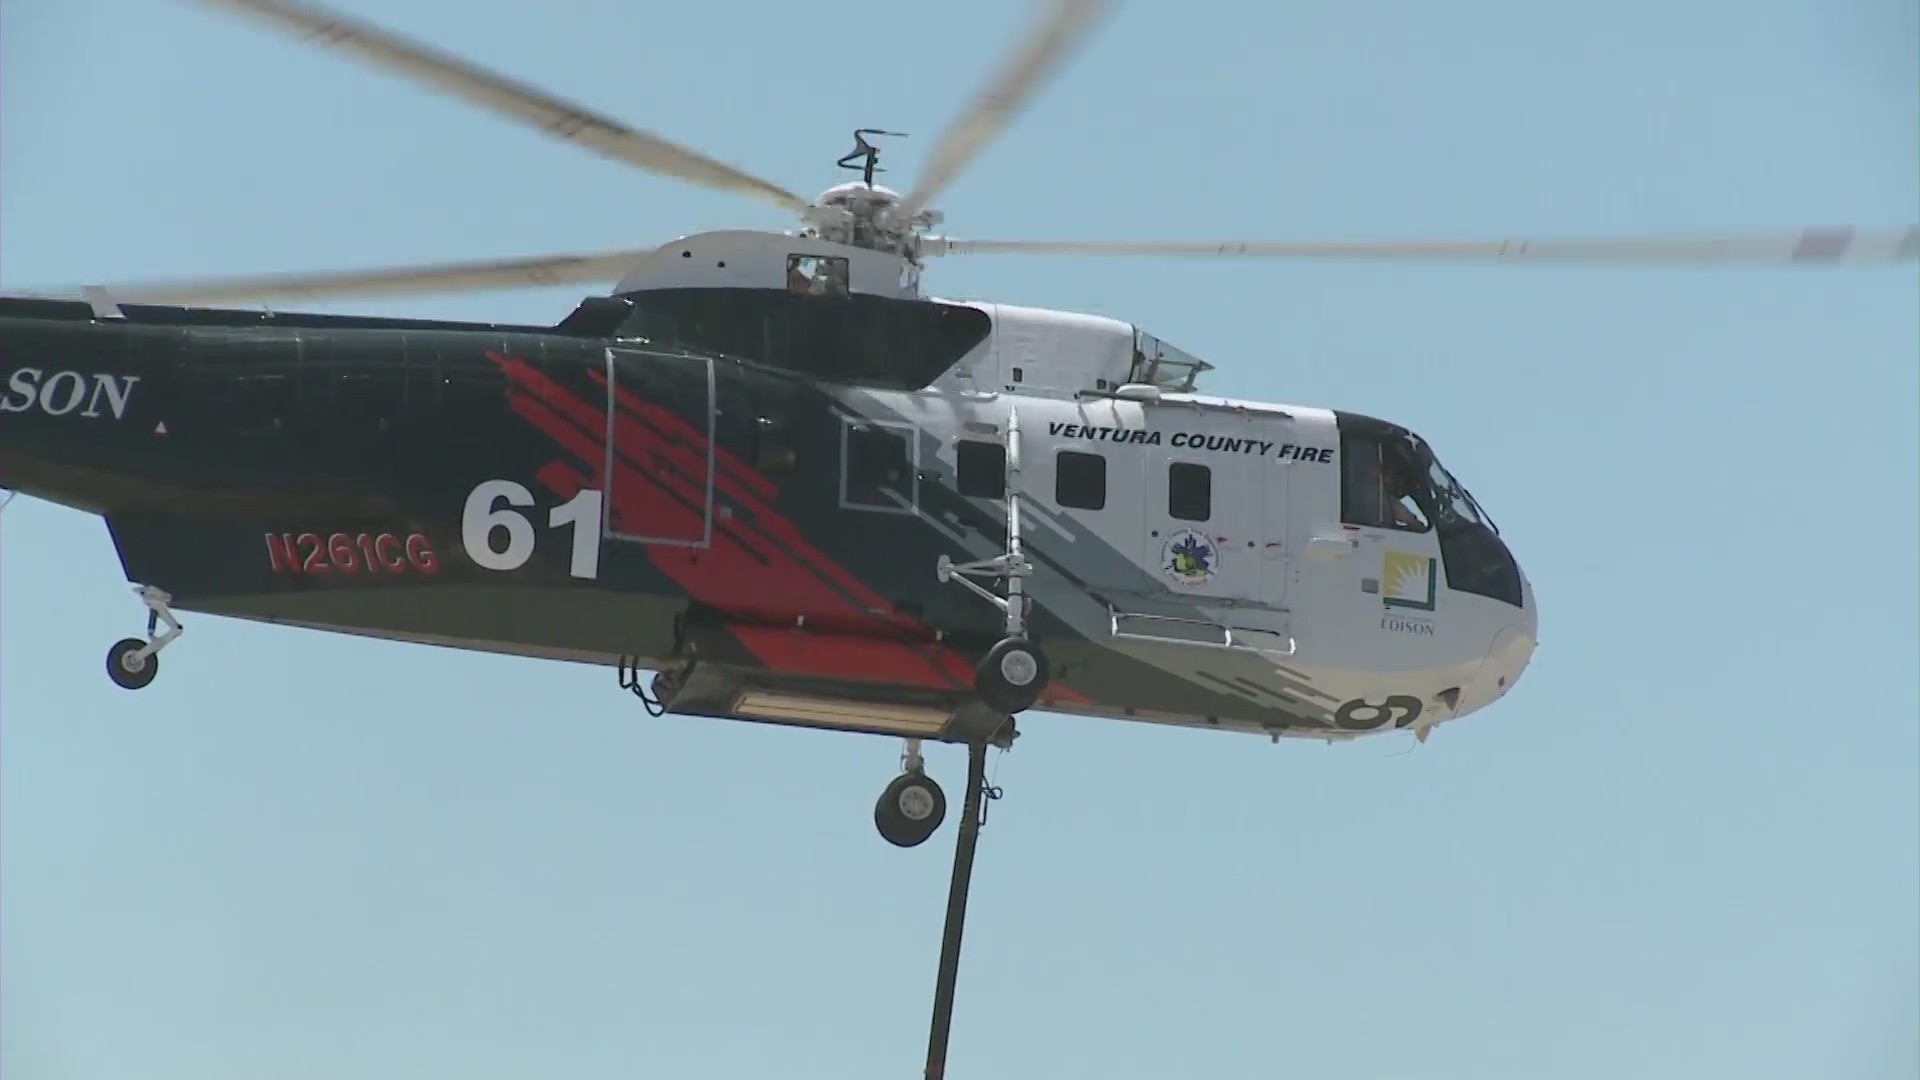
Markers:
point(1040, 54)
point(551, 115)
point(1815, 245)
point(394, 281)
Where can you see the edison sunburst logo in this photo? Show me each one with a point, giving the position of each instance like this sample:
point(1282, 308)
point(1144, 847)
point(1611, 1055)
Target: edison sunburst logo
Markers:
point(1408, 581)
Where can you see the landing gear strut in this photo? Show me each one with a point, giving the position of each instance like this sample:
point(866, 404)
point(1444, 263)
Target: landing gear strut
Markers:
point(911, 809)
point(133, 663)
point(1011, 676)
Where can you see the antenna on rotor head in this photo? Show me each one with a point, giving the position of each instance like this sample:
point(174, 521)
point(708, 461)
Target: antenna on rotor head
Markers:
point(871, 153)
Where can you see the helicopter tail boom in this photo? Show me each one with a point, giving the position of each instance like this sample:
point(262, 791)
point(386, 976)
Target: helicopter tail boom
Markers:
point(77, 395)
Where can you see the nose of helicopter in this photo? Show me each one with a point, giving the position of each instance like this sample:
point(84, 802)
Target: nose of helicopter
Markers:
point(1512, 649)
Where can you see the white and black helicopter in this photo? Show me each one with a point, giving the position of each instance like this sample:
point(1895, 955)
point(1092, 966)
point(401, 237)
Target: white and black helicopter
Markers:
point(771, 469)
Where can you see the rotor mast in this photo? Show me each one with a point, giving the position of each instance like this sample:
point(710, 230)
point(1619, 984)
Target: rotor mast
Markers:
point(868, 153)
point(864, 214)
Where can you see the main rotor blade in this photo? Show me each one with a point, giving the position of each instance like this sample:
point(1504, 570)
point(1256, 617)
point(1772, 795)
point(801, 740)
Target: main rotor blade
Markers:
point(1813, 245)
point(394, 281)
point(1039, 55)
point(555, 117)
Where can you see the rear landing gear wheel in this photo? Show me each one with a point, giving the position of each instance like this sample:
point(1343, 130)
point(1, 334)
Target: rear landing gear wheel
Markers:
point(133, 663)
point(127, 668)
point(1011, 675)
point(910, 810)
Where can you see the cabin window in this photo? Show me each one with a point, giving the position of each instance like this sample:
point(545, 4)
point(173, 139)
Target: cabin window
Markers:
point(879, 469)
point(1377, 484)
point(1080, 480)
point(750, 421)
point(265, 404)
point(982, 469)
point(817, 275)
point(1189, 491)
point(368, 402)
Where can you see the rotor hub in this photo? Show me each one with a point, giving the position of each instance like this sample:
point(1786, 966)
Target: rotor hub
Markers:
point(857, 194)
point(865, 215)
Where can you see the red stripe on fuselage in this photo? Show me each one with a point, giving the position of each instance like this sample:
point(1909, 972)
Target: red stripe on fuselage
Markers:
point(770, 521)
point(691, 455)
point(770, 580)
point(659, 489)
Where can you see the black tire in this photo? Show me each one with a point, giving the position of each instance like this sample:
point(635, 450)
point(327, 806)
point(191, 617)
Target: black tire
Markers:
point(122, 676)
point(910, 810)
point(1011, 676)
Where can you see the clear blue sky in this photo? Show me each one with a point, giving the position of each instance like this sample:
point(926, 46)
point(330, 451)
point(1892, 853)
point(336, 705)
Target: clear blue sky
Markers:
point(1685, 846)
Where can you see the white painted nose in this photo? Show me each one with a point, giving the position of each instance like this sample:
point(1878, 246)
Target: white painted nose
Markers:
point(1512, 650)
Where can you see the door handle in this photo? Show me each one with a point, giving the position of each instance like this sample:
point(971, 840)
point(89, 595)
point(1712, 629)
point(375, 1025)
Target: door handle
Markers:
point(1330, 547)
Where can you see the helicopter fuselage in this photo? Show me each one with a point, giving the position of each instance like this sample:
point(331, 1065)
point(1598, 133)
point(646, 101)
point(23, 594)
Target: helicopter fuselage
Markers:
point(767, 537)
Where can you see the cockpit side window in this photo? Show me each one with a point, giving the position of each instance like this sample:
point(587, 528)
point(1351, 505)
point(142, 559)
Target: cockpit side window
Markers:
point(1391, 479)
point(1159, 364)
point(1378, 485)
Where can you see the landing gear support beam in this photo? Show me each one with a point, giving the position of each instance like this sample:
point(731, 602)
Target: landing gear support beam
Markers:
point(1012, 675)
point(971, 817)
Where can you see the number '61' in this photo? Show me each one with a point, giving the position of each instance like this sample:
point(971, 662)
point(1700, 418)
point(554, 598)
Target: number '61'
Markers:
point(483, 519)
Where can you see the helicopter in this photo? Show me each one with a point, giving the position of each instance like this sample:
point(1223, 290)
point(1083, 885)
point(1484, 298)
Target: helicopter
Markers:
point(772, 470)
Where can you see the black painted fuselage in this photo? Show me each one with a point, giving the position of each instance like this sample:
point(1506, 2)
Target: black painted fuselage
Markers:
point(424, 481)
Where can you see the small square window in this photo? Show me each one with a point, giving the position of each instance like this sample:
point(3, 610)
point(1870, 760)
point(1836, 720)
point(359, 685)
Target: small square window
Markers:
point(817, 275)
point(1189, 491)
point(982, 469)
point(879, 467)
point(1080, 480)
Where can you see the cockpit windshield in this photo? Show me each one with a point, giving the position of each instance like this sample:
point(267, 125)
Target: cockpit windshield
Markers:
point(1451, 499)
point(1157, 363)
point(1390, 479)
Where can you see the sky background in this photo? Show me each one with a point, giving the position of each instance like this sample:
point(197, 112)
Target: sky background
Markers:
point(1684, 846)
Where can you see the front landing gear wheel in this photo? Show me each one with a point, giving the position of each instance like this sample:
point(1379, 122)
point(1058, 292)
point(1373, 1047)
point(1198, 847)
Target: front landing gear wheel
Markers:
point(1011, 675)
point(910, 810)
point(127, 668)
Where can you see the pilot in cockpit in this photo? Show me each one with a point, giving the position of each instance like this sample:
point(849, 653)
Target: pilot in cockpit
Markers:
point(1392, 486)
point(1397, 488)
